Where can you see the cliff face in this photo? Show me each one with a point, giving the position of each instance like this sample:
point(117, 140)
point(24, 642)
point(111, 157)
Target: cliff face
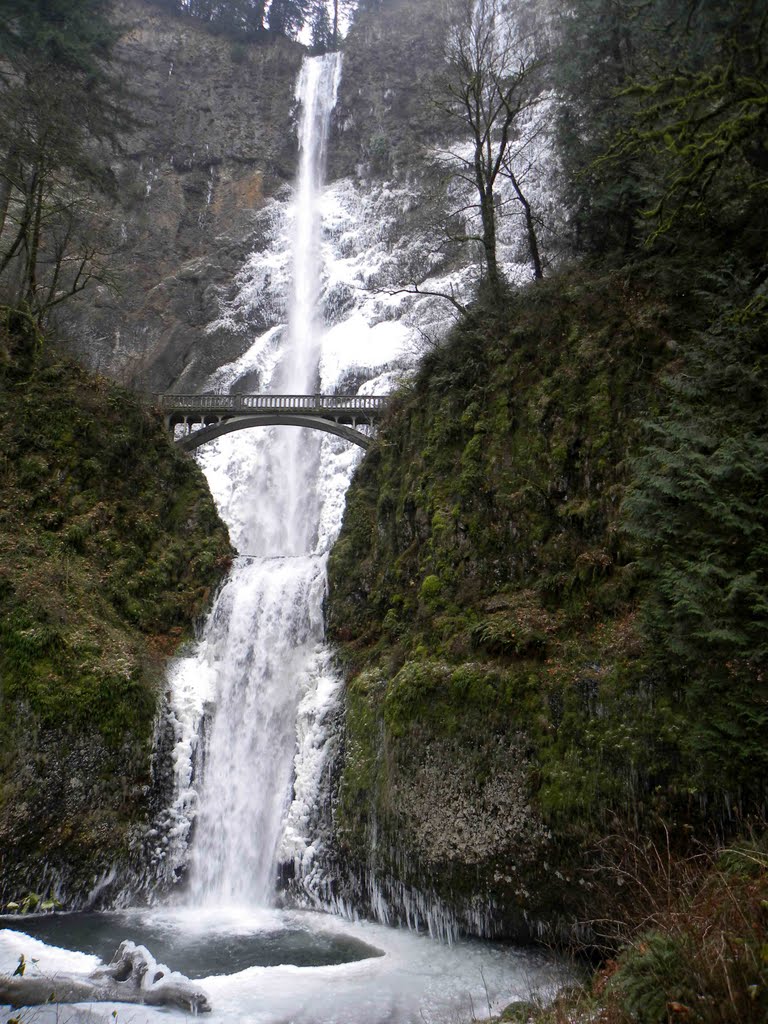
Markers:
point(213, 142)
point(109, 548)
point(433, 736)
point(387, 112)
point(501, 709)
point(199, 184)
point(203, 184)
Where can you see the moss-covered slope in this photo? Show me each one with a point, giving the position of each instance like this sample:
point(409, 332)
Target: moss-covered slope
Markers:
point(109, 547)
point(506, 708)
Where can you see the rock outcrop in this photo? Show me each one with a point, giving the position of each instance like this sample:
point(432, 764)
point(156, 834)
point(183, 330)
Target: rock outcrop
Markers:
point(213, 141)
point(110, 547)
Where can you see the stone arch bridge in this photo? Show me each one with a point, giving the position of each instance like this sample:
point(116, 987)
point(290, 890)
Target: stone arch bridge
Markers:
point(205, 417)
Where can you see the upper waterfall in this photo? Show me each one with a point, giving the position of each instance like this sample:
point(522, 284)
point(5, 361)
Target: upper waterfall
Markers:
point(316, 92)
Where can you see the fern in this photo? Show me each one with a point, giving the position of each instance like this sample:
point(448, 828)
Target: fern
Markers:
point(650, 976)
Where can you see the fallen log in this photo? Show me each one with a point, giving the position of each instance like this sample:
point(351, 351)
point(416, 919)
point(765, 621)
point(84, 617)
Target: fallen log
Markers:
point(132, 976)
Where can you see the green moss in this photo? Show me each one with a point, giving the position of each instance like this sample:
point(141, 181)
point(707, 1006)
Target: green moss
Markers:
point(109, 547)
point(357, 796)
point(484, 574)
point(431, 589)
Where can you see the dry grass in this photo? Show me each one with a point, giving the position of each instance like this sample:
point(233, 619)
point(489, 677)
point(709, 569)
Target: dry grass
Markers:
point(689, 938)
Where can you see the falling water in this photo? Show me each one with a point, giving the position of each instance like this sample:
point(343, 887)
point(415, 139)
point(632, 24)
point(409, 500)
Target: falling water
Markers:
point(261, 644)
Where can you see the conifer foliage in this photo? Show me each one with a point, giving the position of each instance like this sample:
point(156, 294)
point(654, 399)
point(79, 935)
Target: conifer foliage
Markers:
point(275, 17)
point(72, 34)
point(663, 119)
point(698, 506)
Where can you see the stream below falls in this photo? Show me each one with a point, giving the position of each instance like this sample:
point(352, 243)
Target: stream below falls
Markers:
point(275, 967)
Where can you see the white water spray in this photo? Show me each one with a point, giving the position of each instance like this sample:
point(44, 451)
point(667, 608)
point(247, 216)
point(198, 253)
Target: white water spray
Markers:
point(261, 642)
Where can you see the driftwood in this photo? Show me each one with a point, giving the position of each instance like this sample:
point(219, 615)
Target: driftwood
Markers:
point(133, 976)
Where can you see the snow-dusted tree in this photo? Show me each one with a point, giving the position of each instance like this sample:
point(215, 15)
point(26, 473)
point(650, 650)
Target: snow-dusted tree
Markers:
point(493, 80)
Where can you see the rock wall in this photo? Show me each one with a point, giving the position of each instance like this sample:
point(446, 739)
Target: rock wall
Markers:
point(388, 110)
point(110, 547)
point(214, 150)
point(501, 715)
point(213, 142)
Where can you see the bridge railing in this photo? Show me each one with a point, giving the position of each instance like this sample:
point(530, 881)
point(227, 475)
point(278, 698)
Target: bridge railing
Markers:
point(246, 403)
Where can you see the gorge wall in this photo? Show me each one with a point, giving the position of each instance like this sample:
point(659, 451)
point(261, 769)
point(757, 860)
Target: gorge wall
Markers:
point(201, 179)
point(197, 184)
point(212, 142)
point(200, 182)
point(509, 713)
point(519, 722)
point(483, 602)
point(111, 547)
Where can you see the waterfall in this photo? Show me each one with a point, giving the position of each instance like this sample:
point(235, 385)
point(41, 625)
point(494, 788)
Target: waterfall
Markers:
point(324, 288)
point(261, 650)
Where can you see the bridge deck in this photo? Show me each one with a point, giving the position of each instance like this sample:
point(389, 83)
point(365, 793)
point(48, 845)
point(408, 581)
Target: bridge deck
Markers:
point(234, 404)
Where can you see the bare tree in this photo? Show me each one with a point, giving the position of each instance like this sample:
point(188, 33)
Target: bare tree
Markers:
point(492, 82)
point(52, 243)
point(516, 169)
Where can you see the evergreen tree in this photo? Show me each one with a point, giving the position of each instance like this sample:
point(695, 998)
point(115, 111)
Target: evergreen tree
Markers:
point(72, 35)
point(340, 8)
point(663, 118)
point(323, 36)
point(595, 62)
point(287, 17)
point(700, 120)
point(235, 16)
point(698, 506)
point(283, 17)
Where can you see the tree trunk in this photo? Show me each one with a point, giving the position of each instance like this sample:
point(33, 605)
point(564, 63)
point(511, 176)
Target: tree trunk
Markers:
point(21, 241)
point(133, 976)
point(33, 248)
point(259, 10)
point(6, 185)
point(530, 227)
point(488, 218)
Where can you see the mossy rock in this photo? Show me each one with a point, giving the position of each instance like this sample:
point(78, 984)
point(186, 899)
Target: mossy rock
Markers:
point(110, 548)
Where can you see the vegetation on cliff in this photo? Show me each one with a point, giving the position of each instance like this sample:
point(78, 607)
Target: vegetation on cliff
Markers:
point(534, 569)
point(552, 566)
point(262, 18)
point(60, 111)
point(550, 579)
point(109, 547)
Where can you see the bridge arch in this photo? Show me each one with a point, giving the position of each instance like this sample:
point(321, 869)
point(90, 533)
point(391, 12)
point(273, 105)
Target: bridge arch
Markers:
point(209, 432)
point(215, 414)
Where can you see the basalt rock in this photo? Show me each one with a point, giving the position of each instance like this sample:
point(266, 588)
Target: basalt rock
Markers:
point(213, 143)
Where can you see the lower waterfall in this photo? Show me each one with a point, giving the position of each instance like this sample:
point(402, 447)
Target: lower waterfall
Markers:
point(264, 637)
